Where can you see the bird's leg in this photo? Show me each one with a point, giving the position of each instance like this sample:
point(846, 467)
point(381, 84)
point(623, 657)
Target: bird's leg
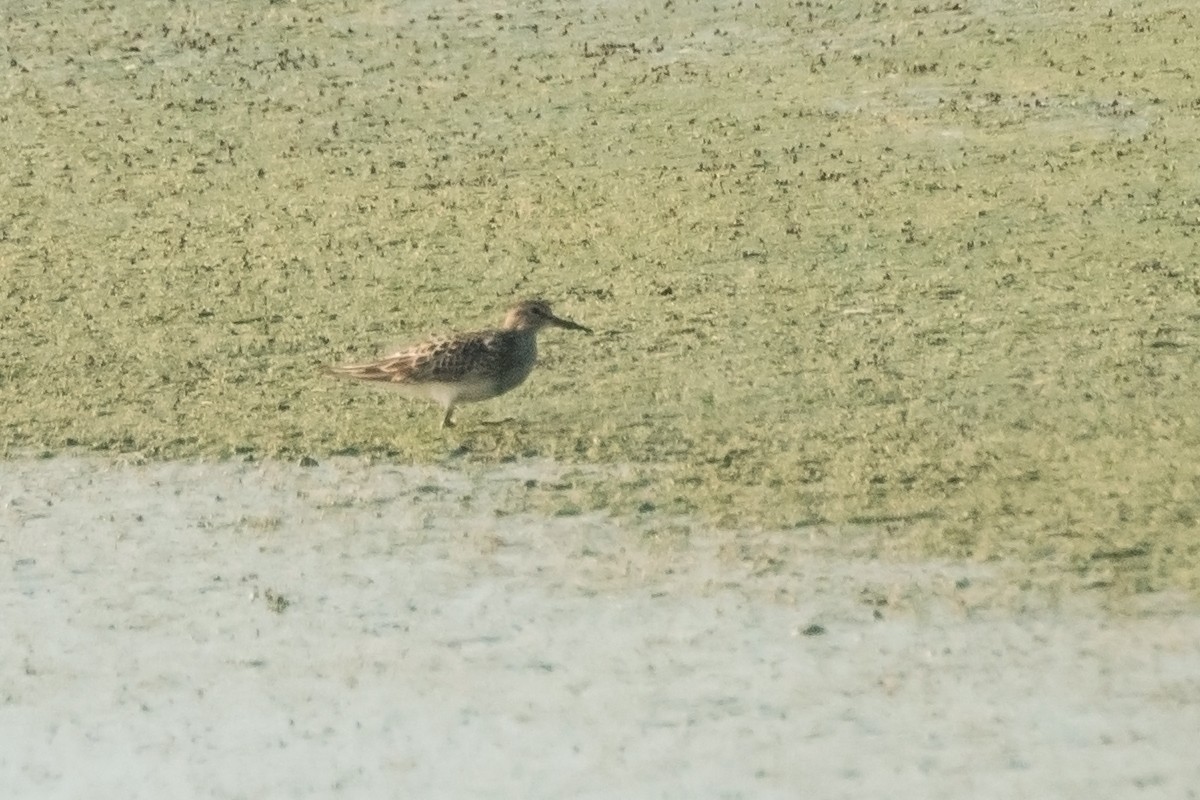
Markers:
point(446, 421)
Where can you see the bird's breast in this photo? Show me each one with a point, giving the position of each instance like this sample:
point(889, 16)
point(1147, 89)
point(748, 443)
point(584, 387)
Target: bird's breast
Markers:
point(518, 362)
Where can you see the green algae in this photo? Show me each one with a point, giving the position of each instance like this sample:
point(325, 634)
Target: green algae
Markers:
point(925, 267)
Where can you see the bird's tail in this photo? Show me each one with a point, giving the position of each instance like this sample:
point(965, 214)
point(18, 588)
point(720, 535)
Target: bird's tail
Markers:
point(371, 371)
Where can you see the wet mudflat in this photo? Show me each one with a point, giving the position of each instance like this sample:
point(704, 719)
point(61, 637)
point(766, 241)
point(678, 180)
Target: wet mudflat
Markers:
point(879, 473)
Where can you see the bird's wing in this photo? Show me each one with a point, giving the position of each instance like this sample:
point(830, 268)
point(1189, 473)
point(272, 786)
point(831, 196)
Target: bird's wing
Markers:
point(440, 360)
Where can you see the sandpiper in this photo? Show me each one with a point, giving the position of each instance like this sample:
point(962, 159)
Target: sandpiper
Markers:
point(465, 367)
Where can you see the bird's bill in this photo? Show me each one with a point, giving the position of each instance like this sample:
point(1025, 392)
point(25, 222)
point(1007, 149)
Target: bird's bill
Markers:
point(566, 323)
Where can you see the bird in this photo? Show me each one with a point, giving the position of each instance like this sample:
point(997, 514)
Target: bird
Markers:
point(465, 367)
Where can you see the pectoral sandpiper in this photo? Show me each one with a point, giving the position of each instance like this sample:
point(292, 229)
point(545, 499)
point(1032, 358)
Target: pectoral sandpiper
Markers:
point(465, 367)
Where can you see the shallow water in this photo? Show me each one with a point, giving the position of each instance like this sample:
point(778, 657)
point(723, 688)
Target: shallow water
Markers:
point(247, 629)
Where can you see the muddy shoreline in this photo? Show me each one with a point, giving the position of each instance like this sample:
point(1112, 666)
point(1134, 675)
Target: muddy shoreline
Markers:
point(222, 629)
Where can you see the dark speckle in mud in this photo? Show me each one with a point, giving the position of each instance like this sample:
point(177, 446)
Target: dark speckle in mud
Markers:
point(276, 602)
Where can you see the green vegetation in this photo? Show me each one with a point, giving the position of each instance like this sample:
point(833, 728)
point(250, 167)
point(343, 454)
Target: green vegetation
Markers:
point(925, 267)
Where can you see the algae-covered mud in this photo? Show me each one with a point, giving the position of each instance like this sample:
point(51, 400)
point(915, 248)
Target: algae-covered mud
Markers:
point(924, 266)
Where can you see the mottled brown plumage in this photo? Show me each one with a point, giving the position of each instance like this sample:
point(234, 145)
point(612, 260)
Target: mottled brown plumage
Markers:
point(465, 367)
